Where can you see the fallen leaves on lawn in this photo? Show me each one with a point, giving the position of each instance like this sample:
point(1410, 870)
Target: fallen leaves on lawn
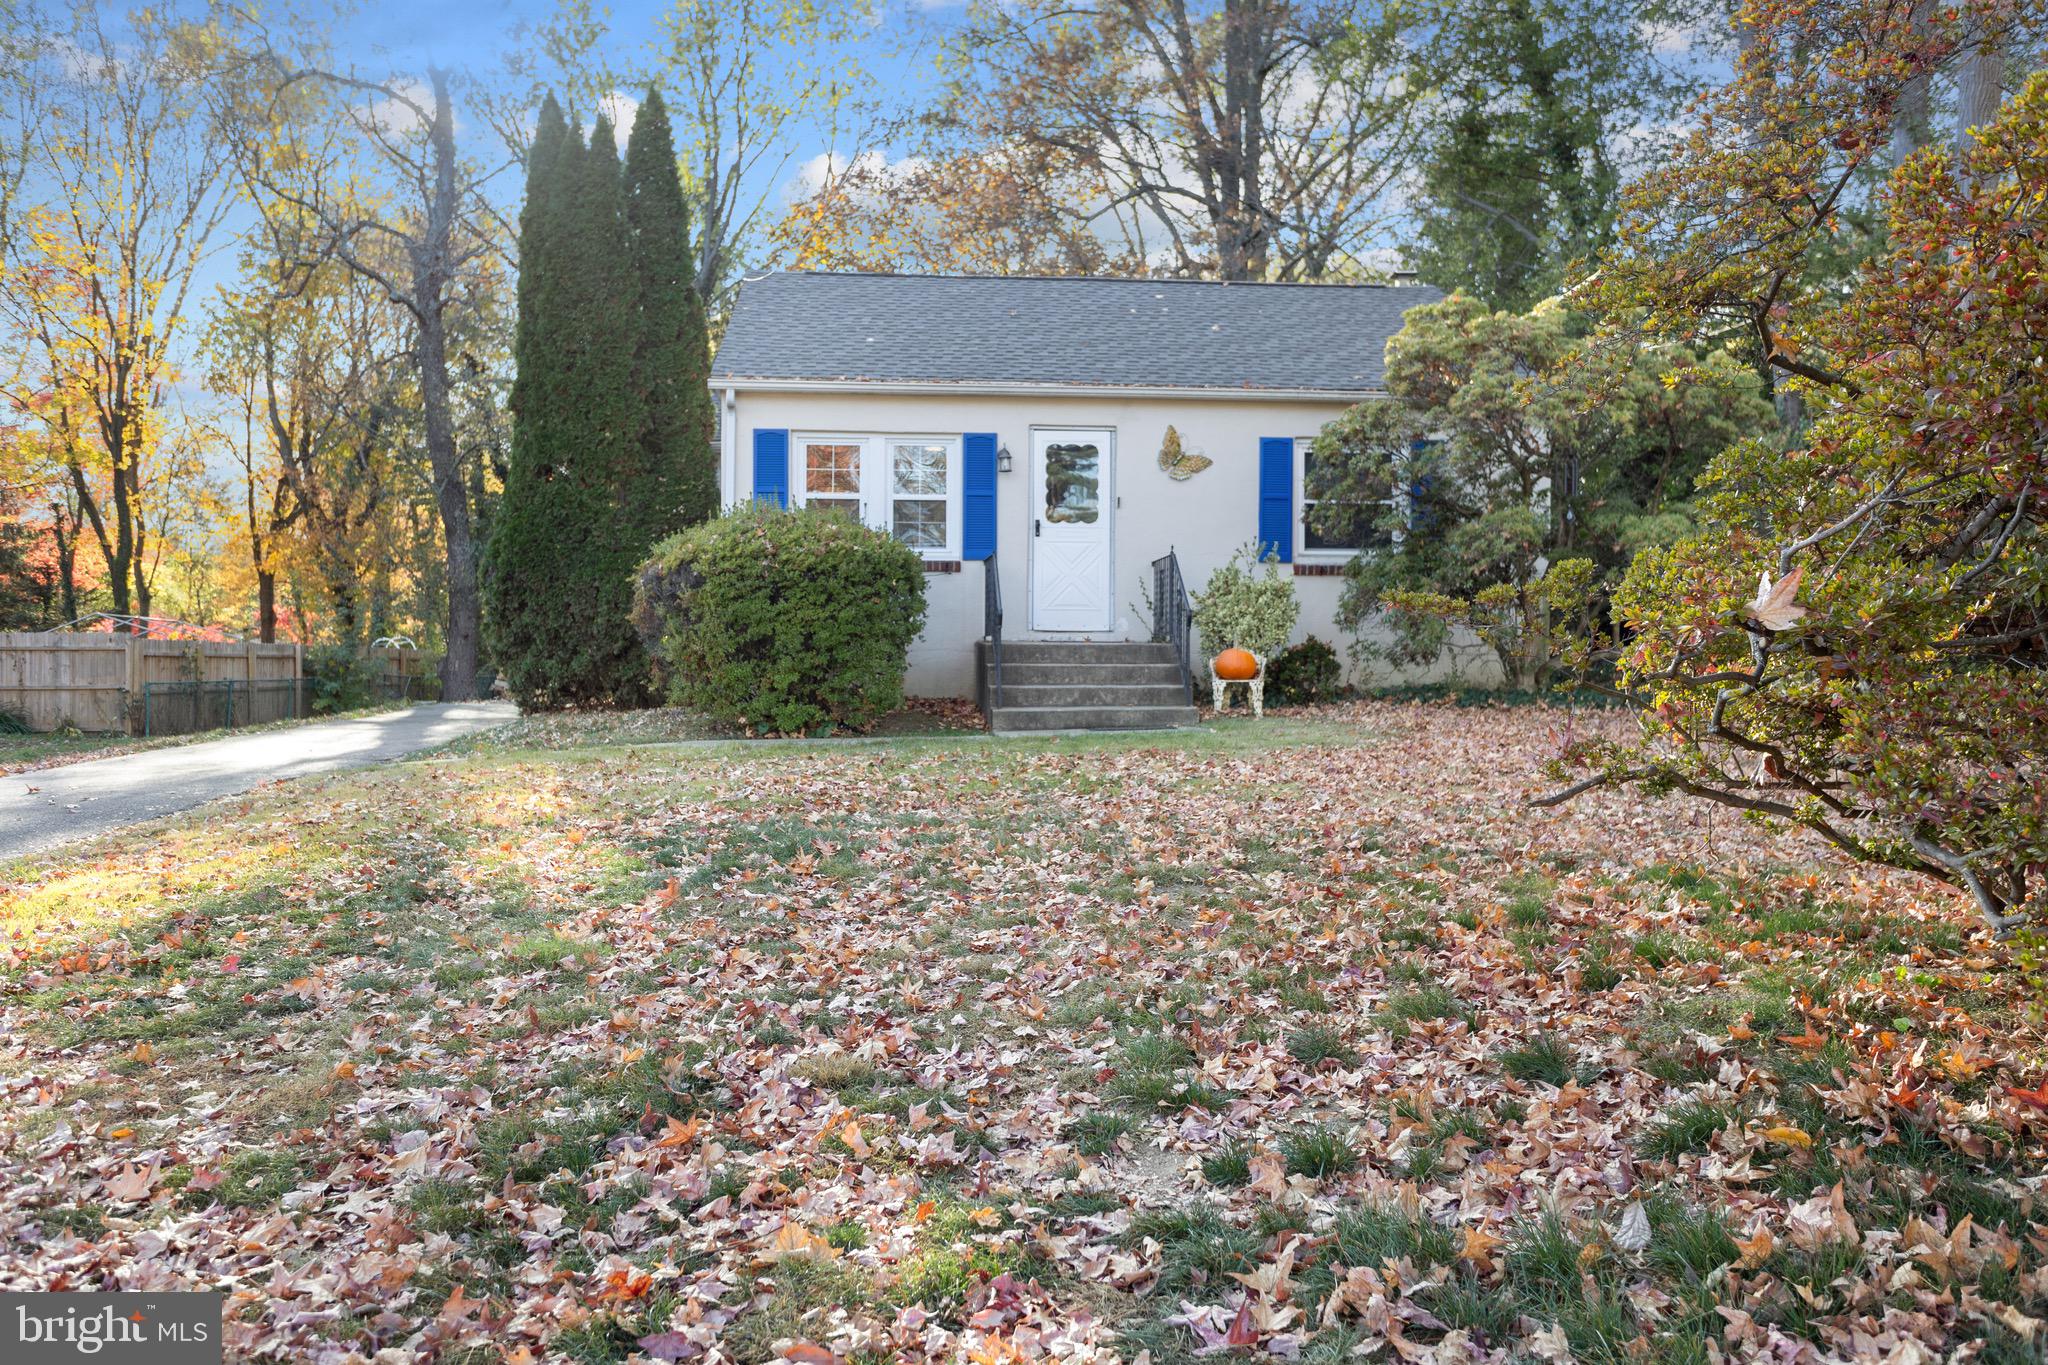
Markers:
point(873, 1053)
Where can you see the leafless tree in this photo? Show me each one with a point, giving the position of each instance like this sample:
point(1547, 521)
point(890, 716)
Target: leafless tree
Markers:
point(437, 226)
point(748, 83)
point(1244, 140)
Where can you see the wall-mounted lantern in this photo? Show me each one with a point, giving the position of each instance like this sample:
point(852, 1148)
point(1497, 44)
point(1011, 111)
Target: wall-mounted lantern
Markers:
point(1003, 460)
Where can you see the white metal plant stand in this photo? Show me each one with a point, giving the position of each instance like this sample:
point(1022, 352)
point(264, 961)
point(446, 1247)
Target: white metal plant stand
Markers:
point(1254, 685)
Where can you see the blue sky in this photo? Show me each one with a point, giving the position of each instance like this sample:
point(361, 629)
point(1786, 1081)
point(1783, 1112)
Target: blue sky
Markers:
point(384, 39)
point(404, 37)
point(452, 32)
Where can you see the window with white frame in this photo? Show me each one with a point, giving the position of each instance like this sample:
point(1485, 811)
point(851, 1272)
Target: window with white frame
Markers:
point(908, 486)
point(920, 483)
point(1336, 529)
point(832, 474)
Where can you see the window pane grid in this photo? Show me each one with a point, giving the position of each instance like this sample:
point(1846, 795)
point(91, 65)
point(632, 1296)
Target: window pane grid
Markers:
point(918, 476)
point(920, 523)
point(920, 469)
point(831, 468)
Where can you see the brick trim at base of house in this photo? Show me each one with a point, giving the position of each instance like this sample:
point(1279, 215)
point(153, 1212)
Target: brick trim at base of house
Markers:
point(942, 566)
point(1319, 571)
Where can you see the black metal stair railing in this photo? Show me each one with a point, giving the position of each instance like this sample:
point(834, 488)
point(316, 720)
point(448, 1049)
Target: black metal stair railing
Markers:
point(1173, 616)
point(992, 627)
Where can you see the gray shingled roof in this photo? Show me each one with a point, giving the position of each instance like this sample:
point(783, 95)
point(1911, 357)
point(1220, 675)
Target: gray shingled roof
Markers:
point(953, 329)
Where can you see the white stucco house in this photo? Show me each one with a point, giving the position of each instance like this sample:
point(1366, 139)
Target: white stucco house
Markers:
point(1013, 427)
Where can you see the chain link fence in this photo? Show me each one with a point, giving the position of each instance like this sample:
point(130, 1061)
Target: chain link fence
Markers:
point(407, 687)
point(185, 708)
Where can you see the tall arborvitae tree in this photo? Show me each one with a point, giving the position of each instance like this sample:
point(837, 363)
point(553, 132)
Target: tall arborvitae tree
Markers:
point(562, 554)
point(677, 479)
point(607, 664)
point(522, 610)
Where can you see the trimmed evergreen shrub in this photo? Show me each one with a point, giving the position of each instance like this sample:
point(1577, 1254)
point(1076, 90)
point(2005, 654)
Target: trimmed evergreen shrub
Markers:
point(1304, 674)
point(789, 622)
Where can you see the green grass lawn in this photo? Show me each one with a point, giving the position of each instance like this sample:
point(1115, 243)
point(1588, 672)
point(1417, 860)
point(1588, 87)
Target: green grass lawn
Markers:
point(1291, 1036)
point(672, 724)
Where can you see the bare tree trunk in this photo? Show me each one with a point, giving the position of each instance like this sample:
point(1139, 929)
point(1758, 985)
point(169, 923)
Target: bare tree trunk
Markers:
point(139, 542)
point(438, 240)
point(67, 558)
point(113, 550)
point(121, 553)
point(1980, 86)
point(1229, 157)
point(266, 606)
point(1910, 129)
point(464, 645)
point(432, 256)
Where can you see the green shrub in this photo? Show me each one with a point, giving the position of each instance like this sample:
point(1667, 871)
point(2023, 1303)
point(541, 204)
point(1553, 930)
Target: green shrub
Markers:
point(340, 679)
point(785, 621)
point(1304, 674)
point(1242, 608)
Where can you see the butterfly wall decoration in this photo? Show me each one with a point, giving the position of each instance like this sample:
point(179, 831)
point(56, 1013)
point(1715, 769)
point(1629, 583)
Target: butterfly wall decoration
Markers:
point(1179, 463)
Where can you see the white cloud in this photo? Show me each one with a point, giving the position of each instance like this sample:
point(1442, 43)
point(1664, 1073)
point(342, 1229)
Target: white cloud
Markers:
point(1670, 40)
point(812, 173)
point(394, 115)
point(622, 109)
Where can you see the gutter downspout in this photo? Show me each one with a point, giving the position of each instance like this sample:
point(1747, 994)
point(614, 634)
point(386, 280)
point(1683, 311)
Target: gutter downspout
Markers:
point(728, 448)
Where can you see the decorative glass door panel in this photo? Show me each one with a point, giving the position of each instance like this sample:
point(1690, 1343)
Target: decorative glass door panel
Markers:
point(1070, 524)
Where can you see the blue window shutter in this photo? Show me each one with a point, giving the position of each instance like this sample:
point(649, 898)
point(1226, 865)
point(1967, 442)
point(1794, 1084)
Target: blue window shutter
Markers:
point(1421, 480)
point(771, 466)
point(1276, 497)
point(978, 495)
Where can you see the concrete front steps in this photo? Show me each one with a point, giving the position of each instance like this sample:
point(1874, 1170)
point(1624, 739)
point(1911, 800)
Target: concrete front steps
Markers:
point(1099, 685)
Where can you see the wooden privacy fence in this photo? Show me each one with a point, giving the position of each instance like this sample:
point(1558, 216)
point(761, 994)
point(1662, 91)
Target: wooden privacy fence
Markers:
point(106, 683)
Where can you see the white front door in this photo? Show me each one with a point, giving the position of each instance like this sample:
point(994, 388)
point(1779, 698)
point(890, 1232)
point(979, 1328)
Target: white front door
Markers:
point(1071, 506)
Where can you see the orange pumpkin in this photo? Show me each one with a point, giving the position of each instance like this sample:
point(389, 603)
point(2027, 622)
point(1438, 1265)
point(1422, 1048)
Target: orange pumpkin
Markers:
point(1236, 665)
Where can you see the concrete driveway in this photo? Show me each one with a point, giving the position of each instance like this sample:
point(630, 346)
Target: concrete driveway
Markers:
point(53, 806)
